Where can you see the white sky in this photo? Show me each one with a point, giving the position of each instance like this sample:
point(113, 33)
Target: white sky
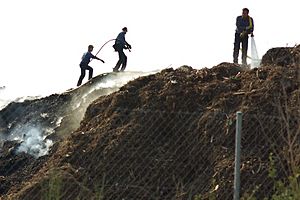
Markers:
point(42, 41)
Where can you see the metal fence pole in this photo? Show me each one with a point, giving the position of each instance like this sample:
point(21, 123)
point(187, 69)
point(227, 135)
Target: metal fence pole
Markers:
point(237, 172)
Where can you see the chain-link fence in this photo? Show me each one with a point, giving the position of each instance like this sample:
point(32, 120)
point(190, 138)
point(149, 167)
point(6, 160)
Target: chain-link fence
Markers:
point(270, 156)
point(169, 155)
point(145, 155)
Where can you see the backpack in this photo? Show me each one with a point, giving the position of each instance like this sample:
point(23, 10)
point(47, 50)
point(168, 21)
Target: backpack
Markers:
point(117, 47)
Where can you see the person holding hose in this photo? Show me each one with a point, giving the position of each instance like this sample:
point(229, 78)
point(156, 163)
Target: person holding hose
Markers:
point(84, 64)
point(119, 45)
point(244, 27)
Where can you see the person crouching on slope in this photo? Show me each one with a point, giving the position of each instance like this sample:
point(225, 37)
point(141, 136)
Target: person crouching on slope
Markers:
point(119, 45)
point(244, 27)
point(84, 64)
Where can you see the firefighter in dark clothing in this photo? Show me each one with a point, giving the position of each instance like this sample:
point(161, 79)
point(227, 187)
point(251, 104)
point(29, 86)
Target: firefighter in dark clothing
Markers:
point(119, 45)
point(84, 64)
point(244, 27)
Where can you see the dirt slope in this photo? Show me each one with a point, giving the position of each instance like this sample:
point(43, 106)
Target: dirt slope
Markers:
point(168, 136)
point(55, 116)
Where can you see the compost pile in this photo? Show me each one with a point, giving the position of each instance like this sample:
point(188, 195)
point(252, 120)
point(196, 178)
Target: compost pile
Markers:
point(170, 135)
point(54, 117)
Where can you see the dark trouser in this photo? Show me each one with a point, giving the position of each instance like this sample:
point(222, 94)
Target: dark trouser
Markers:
point(237, 42)
point(122, 61)
point(82, 75)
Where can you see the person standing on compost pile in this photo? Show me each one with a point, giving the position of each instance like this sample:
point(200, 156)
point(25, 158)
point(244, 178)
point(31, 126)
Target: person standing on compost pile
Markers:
point(84, 64)
point(119, 45)
point(244, 27)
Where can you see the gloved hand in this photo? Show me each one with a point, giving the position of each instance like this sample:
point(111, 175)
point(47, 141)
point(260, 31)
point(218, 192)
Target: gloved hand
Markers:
point(129, 46)
point(252, 34)
point(243, 34)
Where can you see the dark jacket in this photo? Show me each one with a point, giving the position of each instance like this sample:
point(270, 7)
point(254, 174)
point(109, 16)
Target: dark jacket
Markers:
point(244, 24)
point(120, 40)
point(86, 58)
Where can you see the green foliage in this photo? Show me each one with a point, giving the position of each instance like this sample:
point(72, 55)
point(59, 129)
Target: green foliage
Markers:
point(54, 187)
point(282, 191)
point(289, 191)
point(272, 168)
point(235, 78)
point(250, 195)
point(211, 195)
point(100, 189)
point(197, 197)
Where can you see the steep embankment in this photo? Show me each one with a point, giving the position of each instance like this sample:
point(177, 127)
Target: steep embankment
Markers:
point(170, 135)
point(41, 122)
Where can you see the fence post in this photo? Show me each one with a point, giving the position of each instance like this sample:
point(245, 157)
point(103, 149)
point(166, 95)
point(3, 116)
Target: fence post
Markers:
point(237, 163)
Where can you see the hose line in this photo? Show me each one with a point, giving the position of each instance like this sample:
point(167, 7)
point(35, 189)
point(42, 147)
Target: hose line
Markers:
point(102, 47)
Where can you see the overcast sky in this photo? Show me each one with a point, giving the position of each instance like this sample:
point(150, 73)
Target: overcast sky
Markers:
point(42, 41)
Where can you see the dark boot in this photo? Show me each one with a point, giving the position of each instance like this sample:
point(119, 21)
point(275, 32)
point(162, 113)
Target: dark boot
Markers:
point(115, 70)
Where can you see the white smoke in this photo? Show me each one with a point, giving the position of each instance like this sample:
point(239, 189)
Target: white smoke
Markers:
point(116, 80)
point(11, 94)
point(34, 143)
point(3, 102)
point(32, 138)
point(2, 139)
point(112, 82)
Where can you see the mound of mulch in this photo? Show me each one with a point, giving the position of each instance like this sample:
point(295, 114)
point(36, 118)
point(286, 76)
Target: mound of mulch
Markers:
point(284, 56)
point(170, 135)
